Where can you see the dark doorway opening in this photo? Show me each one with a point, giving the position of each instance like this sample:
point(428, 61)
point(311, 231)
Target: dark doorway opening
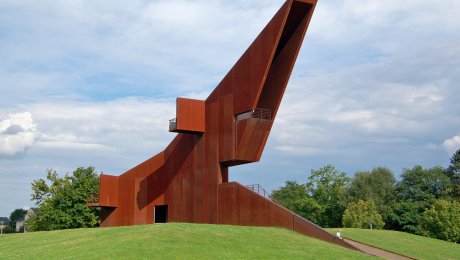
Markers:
point(161, 214)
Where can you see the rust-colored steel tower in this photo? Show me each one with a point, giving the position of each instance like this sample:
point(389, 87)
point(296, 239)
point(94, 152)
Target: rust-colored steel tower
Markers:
point(188, 181)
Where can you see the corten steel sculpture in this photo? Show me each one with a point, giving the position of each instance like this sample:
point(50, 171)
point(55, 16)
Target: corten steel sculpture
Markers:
point(188, 181)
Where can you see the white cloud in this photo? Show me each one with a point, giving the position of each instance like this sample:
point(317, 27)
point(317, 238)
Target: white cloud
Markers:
point(124, 124)
point(17, 133)
point(451, 145)
point(431, 146)
point(124, 48)
point(392, 103)
point(409, 12)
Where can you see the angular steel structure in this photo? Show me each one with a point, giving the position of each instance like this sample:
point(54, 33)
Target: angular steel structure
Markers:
point(188, 181)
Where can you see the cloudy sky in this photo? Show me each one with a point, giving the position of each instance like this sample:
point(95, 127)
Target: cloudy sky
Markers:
point(94, 83)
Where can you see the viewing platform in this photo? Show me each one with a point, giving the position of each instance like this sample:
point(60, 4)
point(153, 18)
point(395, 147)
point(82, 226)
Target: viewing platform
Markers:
point(190, 116)
point(92, 200)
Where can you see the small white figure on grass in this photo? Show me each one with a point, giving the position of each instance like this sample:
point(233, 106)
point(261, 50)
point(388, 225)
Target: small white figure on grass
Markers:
point(339, 235)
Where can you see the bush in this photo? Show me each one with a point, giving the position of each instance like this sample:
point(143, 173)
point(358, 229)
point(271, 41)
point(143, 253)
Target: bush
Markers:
point(8, 229)
point(362, 214)
point(442, 221)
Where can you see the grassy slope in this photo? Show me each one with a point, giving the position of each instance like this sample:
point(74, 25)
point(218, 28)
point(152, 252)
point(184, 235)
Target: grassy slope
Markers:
point(178, 241)
point(407, 244)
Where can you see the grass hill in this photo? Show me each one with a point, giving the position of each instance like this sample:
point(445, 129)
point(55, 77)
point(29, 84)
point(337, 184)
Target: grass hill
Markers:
point(403, 243)
point(170, 241)
point(192, 241)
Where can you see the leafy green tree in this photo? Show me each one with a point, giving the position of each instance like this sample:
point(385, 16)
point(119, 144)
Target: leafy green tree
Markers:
point(418, 189)
point(418, 184)
point(362, 214)
point(405, 216)
point(327, 187)
point(294, 197)
point(442, 221)
point(377, 185)
point(16, 215)
point(453, 173)
point(61, 202)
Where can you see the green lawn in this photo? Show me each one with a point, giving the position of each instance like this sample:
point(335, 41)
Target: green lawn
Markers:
point(170, 241)
point(407, 244)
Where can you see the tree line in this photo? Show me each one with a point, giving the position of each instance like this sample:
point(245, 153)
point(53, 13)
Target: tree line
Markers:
point(424, 201)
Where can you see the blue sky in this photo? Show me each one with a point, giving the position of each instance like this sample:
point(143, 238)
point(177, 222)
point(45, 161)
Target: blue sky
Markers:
point(94, 83)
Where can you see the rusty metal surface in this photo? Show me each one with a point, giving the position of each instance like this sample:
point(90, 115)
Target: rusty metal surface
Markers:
point(190, 115)
point(108, 190)
point(191, 175)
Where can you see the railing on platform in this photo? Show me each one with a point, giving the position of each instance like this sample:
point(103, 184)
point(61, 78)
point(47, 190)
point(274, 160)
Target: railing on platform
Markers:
point(92, 199)
point(262, 113)
point(173, 125)
point(260, 190)
point(258, 113)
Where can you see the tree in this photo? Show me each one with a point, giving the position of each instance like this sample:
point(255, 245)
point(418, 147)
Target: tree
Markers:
point(418, 184)
point(442, 221)
point(453, 173)
point(294, 197)
point(418, 189)
point(61, 202)
point(16, 215)
point(405, 216)
point(327, 187)
point(362, 214)
point(377, 185)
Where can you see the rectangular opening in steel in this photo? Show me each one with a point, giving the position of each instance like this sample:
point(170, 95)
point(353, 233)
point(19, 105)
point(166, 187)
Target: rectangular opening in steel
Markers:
point(160, 214)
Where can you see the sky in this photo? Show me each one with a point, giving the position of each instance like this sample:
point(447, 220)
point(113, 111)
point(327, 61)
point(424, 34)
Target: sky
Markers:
point(93, 83)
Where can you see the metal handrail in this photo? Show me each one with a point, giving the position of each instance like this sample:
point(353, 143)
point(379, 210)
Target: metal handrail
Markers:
point(262, 113)
point(173, 125)
point(260, 190)
point(258, 113)
point(92, 198)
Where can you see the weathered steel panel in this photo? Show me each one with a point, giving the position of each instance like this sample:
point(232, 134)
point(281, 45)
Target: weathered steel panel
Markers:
point(252, 135)
point(228, 204)
point(190, 115)
point(108, 190)
point(226, 129)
